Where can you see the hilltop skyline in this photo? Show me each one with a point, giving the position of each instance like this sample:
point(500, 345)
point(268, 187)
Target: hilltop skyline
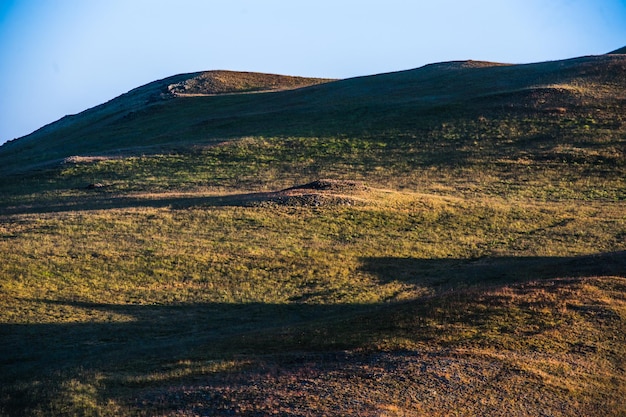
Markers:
point(64, 58)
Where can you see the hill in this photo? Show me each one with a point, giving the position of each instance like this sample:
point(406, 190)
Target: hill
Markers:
point(443, 240)
point(148, 118)
point(96, 129)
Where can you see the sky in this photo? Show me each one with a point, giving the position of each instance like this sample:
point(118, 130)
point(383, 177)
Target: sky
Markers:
point(60, 57)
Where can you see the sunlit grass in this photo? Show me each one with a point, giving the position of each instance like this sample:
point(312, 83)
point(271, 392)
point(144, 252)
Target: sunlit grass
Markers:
point(221, 254)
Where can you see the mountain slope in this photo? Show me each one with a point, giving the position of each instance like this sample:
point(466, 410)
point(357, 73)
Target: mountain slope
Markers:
point(96, 129)
point(146, 117)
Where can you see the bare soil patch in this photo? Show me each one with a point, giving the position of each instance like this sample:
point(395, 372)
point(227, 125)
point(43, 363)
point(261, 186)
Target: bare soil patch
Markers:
point(233, 82)
point(323, 192)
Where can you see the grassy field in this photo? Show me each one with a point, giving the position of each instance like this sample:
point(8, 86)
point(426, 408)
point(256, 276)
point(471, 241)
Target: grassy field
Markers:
point(460, 260)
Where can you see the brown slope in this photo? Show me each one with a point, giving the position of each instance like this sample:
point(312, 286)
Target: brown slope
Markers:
point(231, 82)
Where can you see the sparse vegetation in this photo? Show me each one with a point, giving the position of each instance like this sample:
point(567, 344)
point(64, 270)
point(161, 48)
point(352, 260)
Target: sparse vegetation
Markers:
point(459, 260)
point(229, 82)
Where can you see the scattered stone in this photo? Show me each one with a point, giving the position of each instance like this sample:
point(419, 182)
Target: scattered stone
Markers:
point(324, 192)
point(308, 200)
point(77, 159)
point(95, 186)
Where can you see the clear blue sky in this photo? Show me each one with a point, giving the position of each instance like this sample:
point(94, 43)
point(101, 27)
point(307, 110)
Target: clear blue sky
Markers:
point(60, 57)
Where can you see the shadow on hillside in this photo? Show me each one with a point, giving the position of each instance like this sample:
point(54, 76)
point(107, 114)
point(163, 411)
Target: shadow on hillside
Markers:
point(127, 332)
point(311, 194)
point(142, 338)
point(494, 271)
point(105, 201)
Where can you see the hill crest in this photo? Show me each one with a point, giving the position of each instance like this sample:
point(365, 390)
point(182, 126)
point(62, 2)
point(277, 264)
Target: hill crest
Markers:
point(234, 82)
point(465, 64)
point(209, 107)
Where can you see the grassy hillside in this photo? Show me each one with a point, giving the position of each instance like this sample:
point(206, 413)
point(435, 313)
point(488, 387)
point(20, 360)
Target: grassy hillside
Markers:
point(442, 241)
point(146, 121)
point(139, 120)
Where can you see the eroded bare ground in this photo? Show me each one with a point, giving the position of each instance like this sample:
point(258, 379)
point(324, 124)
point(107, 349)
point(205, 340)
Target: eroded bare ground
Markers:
point(211, 83)
point(409, 383)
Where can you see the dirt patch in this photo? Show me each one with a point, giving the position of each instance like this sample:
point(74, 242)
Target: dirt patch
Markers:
point(77, 159)
point(95, 186)
point(233, 82)
point(307, 200)
point(324, 192)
